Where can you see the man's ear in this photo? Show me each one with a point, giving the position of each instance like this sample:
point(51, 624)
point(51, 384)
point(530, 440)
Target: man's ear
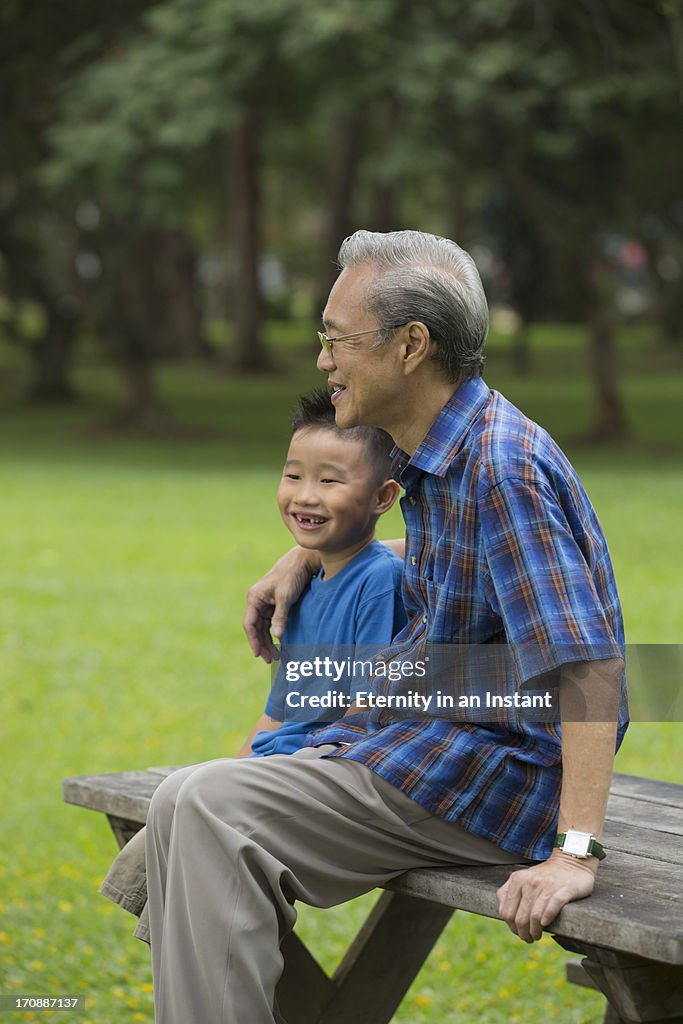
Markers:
point(386, 495)
point(416, 345)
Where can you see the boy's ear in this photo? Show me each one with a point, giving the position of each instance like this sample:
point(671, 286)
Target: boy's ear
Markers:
point(387, 493)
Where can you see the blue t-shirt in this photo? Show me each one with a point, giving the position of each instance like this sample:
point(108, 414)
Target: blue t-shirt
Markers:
point(359, 606)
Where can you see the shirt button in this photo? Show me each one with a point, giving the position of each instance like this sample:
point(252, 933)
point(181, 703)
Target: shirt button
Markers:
point(413, 560)
point(412, 500)
point(424, 618)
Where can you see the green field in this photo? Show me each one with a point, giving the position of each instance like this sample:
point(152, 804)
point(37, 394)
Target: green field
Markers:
point(123, 574)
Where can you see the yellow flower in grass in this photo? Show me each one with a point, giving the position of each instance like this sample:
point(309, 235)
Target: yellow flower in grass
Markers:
point(146, 986)
point(4, 939)
point(504, 993)
point(65, 906)
point(39, 933)
point(422, 1001)
point(68, 871)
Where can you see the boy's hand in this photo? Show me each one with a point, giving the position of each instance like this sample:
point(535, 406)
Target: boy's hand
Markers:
point(271, 597)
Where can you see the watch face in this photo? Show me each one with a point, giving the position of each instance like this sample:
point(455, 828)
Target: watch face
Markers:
point(576, 844)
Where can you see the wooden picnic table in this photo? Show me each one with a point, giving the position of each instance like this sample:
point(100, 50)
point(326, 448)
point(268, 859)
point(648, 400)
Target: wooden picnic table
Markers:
point(629, 932)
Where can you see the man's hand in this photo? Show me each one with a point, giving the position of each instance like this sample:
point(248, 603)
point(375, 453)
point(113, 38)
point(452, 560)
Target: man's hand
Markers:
point(271, 597)
point(533, 897)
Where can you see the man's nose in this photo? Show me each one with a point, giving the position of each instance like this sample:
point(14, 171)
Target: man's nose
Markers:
point(325, 361)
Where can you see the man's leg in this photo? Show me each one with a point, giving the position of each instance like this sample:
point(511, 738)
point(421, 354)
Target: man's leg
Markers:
point(232, 844)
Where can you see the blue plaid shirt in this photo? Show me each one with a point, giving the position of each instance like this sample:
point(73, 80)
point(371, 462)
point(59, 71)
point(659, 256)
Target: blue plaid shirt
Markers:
point(502, 547)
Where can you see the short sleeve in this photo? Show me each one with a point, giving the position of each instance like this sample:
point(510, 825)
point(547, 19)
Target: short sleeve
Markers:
point(380, 617)
point(275, 704)
point(540, 583)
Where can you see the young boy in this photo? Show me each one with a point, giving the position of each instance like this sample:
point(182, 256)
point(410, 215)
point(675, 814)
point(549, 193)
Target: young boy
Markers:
point(335, 485)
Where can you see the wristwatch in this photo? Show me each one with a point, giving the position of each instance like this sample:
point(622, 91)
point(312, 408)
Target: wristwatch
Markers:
point(579, 844)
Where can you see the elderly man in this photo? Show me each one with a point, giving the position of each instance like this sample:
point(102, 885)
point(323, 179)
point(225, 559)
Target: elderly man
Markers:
point(502, 548)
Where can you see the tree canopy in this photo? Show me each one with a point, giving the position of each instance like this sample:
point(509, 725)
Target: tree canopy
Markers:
point(272, 129)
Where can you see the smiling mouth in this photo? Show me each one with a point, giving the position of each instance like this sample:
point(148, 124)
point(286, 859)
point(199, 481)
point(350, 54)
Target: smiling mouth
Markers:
point(309, 522)
point(336, 390)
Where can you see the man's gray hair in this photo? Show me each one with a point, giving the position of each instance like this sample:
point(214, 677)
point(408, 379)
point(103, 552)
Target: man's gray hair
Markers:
point(430, 279)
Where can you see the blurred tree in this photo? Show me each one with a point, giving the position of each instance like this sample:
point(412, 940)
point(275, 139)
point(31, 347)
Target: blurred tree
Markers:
point(201, 79)
point(38, 234)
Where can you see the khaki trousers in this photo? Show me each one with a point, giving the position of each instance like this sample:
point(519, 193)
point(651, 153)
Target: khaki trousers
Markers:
point(231, 844)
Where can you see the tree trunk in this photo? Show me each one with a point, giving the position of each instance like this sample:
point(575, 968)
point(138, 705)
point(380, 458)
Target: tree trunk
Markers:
point(52, 355)
point(132, 318)
point(250, 355)
point(597, 283)
point(520, 350)
point(610, 421)
point(141, 410)
point(385, 214)
point(345, 151)
point(52, 358)
point(177, 261)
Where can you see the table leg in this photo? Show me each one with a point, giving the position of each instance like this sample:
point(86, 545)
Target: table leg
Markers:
point(638, 991)
point(123, 829)
point(376, 972)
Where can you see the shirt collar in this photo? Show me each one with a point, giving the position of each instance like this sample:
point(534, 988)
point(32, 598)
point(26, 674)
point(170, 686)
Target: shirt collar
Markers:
point(447, 433)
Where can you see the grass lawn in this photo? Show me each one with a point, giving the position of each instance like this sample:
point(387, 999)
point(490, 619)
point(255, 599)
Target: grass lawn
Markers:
point(124, 568)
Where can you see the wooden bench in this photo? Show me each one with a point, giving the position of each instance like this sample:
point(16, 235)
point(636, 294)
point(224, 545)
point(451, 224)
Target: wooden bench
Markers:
point(630, 931)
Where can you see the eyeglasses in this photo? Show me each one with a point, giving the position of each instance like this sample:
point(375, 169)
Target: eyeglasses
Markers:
point(327, 343)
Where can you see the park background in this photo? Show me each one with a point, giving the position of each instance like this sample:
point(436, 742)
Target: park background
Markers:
point(174, 184)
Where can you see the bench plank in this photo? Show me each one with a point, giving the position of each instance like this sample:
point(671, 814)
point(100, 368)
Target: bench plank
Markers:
point(651, 790)
point(655, 817)
point(643, 874)
point(664, 848)
point(121, 794)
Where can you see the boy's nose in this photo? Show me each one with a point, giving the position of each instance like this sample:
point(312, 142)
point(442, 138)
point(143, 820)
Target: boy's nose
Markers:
point(308, 495)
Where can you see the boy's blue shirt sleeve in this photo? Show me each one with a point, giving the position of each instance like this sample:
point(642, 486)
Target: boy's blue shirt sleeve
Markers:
point(381, 615)
point(275, 704)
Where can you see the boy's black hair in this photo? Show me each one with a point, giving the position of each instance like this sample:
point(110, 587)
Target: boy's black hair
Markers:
point(317, 412)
